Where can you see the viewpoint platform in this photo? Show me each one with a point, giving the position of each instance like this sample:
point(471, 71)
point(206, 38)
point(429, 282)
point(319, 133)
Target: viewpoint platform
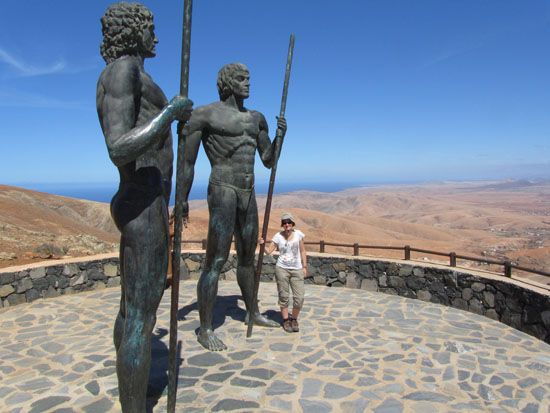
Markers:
point(357, 351)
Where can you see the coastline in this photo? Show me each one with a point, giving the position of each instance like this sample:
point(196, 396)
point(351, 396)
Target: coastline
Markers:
point(103, 192)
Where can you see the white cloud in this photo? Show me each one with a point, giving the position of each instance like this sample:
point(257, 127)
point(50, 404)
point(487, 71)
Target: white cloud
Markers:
point(24, 69)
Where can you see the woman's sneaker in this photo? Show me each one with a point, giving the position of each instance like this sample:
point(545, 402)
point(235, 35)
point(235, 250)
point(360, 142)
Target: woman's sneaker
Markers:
point(294, 325)
point(287, 326)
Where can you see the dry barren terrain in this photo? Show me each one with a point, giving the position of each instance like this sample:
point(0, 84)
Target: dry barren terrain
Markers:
point(36, 226)
point(502, 220)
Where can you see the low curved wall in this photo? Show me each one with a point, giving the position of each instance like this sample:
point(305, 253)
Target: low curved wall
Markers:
point(516, 304)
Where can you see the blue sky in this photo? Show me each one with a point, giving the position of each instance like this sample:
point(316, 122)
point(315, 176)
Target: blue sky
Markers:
point(392, 90)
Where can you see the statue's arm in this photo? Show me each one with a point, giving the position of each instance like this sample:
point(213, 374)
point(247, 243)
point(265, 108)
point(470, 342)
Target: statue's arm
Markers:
point(119, 96)
point(269, 151)
point(193, 132)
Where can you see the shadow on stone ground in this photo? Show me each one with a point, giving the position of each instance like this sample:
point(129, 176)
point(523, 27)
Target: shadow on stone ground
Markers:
point(226, 306)
point(158, 373)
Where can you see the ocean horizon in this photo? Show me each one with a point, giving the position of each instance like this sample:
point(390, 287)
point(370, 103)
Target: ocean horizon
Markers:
point(104, 192)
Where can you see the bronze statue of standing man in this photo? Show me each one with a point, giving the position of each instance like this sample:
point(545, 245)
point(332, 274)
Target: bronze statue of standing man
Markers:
point(135, 117)
point(230, 134)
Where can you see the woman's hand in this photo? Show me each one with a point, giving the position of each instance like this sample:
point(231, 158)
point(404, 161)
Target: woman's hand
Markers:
point(269, 248)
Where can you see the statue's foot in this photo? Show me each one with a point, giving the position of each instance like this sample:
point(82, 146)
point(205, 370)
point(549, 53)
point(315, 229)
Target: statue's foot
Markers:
point(261, 320)
point(210, 341)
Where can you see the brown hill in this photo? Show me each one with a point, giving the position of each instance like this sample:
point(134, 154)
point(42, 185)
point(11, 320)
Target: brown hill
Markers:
point(36, 225)
point(496, 219)
point(500, 220)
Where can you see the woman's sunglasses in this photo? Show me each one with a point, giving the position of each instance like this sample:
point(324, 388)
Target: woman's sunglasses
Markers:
point(286, 221)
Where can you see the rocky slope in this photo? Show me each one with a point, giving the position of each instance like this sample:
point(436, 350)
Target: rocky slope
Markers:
point(502, 220)
point(36, 225)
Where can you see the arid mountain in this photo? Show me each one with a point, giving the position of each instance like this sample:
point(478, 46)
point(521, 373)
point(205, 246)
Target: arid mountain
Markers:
point(36, 225)
point(499, 220)
point(502, 220)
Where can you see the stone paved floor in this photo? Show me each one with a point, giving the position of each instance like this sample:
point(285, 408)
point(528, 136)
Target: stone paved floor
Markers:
point(357, 351)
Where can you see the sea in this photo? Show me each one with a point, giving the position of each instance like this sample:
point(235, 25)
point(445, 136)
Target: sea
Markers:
point(104, 192)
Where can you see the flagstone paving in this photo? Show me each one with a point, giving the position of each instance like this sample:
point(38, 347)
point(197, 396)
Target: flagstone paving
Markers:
point(357, 351)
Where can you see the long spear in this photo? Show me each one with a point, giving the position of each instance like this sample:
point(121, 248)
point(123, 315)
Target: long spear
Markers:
point(271, 186)
point(178, 214)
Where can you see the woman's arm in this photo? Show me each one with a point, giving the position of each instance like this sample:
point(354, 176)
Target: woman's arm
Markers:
point(303, 256)
point(269, 248)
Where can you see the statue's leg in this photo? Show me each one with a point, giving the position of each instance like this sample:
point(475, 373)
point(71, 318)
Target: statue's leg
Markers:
point(222, 207)
point(246, 238)
point(121, 316)
point(145, 263)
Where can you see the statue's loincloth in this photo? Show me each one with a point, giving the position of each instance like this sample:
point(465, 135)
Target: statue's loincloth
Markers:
point(243, 195)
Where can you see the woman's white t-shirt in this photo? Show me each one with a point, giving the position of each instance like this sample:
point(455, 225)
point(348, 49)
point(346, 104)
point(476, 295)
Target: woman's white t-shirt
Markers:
point(289, 250)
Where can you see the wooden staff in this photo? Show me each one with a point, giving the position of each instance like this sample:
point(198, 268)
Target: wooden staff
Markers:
point(178, 215)
point(271, 185)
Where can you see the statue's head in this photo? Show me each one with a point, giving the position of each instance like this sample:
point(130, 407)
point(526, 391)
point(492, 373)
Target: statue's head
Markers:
point(127, 30)
point(233, 78)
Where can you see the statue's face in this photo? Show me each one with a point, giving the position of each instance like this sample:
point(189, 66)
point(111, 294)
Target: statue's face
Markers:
point(241, 84)
point(149, 41)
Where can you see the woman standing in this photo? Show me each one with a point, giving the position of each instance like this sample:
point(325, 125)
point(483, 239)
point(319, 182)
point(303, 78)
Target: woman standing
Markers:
point(290, 270)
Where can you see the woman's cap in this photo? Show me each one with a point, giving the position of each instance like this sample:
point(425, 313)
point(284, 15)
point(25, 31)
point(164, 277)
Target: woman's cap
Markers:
point(287, 215)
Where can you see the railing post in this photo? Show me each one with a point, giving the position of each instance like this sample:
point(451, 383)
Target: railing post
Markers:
point(204, 244)
point(407, 252)
point(452, 257)
point(507, 269)
point(356, 249)
point(322, 246)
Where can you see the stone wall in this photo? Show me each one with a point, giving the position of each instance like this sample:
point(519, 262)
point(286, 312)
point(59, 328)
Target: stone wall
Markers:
point(511, 302)
point(517, 305)
point(26, 285)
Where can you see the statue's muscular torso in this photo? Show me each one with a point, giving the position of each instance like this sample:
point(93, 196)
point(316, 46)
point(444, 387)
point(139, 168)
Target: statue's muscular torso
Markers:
point(152, 170)
point(151, 103)
point(230, 139)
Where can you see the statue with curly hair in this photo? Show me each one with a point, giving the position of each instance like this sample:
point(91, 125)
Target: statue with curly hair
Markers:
point(231, 134)
point(135, 118)
point(122, 26)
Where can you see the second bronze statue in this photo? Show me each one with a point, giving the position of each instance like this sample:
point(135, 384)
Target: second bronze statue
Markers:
point(230, 134)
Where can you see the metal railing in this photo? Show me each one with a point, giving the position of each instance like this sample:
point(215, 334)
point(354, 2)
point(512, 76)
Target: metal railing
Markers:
point(508, 266)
